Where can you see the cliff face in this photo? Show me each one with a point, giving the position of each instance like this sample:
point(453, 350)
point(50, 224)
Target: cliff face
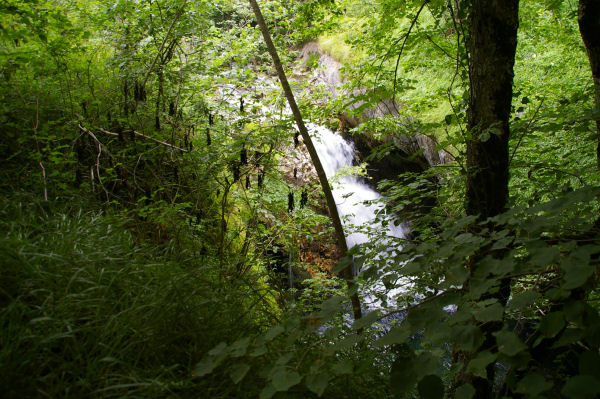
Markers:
point(413, 153)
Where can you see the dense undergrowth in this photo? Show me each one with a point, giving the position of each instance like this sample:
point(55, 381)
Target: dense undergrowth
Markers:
point(147, 214)
point(88, 310)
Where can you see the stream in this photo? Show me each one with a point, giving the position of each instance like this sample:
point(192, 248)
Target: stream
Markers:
point(361, 208)
point(358, 204)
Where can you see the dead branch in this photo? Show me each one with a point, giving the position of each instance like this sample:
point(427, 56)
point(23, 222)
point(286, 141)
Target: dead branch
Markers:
point(147, 138)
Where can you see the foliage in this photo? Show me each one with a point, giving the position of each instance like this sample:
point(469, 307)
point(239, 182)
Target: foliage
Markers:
point(144, 212)
point(87, 310)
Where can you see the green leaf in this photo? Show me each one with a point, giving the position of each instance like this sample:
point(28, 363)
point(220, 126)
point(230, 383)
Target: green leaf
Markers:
point(588, 363)
point(493, 312)
point(533, 384)
point(467, 338)
point(343, 263)
point(238, 372)
point(464, 392)
point(342, 367)
point(204, 367)
point(582, 387)
point(431, 387)
point(465, 237)
point(366, 320)
point(268, 392)
point(273, 332)
point(477, 366)
point(544, 256)
point(317, 383)
point(219, 350)
point(426, 363)
point(396, 335)
point(347, 342)
point(331, 306)
point(239, 347)
point(403, 375)
point(509, 343)
point(574, 311)
point(523, 299)
point(457, 274)
point(258, 351)
point(283, 380)
point(502, 243)
point(552, 324)
point(577, 267)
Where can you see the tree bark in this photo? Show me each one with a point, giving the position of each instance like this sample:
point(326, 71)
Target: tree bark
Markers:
point(331, 205)
point(493, 45)
point(588, 16)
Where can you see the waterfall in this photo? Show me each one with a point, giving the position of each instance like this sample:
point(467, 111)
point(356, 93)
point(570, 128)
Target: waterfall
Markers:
point(357, 203)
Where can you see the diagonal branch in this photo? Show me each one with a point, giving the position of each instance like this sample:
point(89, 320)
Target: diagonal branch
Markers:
point(162, 45)
point(333, 212)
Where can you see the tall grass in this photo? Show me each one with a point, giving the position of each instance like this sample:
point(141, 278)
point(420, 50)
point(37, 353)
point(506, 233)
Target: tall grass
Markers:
point(85, 311)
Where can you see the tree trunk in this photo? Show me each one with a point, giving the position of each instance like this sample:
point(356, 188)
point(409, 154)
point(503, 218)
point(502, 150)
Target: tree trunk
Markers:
point(333, 212)
point(492, 55)
point(588, 17)
point(493, 46)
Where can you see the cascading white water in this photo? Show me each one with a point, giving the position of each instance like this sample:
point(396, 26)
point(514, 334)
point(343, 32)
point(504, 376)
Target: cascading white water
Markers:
point(357, 203)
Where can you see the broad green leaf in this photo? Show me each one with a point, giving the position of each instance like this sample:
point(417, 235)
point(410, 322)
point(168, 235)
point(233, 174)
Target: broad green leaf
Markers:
point(342, 367)
point(317, 383)
point(467, 338)
point(431, 387)
point(343, 263)
point(425, 315)
point(204, 367)
point(576, 276)
point(273, 332)
point(509, 343)
point(457, 274)
point(396, 335)
point(219, 350)
point(366, 320)
point(238, 372)
point(481, 286)
point(284, 359)
point(239, 347)
point(523, 299)
point(574, 312)
point(577, 267)
point(258, 351)
point(464, 392)
point(426, 363)
point(552, 324)
point(347, 342)
point(582, 387)
point(502, 243)
point(543, 256)
point(268, 392)
point(331, 306)
point(403, 375)
point(283, 379)
point(569, 337)
point(533, 384)
point(588, 363)
point(484, 136)
point(493, 312)
point(478, 365)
